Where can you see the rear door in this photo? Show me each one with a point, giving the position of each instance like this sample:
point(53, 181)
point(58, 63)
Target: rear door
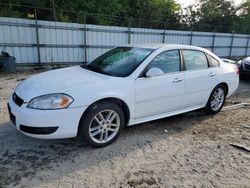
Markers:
point(200, 78)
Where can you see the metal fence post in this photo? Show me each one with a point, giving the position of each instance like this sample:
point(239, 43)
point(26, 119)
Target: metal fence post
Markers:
point(164, 32)
point(191, 38)
point(54, 9)
point(85, 39)
point(248, 40)
point(231, 46)
point(37, 39)
point(214, 35)
point(129, 30)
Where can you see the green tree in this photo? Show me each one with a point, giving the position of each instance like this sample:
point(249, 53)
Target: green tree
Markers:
point(212, 15)
point(205, 15)
point(243, 22)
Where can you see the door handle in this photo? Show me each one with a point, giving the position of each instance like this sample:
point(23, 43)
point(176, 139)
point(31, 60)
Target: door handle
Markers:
point(176, 80)
point(211, 74)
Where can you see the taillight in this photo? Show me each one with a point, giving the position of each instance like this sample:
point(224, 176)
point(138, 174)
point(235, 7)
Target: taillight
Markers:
point(237, 71)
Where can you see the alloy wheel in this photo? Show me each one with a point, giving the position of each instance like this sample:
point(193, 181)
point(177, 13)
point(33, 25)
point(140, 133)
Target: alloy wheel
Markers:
point(217, 99)
point(104, 126)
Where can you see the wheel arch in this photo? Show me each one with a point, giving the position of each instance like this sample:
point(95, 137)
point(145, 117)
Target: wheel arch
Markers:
point(225, 85)
point(119, 102)
point(208, 108)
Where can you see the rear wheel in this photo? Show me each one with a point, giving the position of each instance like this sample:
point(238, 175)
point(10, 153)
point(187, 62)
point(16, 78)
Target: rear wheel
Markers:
point(101, 124)
point(216, 100)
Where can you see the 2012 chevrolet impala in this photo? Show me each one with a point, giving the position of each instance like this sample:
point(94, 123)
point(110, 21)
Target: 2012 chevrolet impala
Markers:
point(125, 86)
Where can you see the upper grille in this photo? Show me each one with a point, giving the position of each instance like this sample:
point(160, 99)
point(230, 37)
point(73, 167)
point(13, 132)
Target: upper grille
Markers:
point(19, 101)
point(247, 67)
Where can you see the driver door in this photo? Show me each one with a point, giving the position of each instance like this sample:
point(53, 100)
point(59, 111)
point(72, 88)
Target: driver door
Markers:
point(162, 94)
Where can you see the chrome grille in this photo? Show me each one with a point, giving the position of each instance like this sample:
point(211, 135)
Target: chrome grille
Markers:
point(247, 66)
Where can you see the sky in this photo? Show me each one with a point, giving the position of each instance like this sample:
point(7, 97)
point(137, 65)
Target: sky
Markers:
point(185, 3)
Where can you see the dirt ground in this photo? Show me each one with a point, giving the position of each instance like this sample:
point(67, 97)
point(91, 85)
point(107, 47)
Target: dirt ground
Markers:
point(188, 150)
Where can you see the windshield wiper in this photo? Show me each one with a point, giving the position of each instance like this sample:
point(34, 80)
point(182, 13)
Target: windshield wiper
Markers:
point(96, 69)
point(85, 65)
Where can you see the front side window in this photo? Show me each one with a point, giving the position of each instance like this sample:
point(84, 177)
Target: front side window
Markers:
point(168, 61)
point(120, 61)
point(194, 60)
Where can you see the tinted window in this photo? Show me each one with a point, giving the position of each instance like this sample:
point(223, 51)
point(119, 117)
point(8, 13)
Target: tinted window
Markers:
point(168, 61)
point(212, 61)
point(194, 60)
point(121, 61)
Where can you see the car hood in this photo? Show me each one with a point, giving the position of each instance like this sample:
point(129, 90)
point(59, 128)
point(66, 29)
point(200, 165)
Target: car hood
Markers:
point(57, 81)
point(246, 62)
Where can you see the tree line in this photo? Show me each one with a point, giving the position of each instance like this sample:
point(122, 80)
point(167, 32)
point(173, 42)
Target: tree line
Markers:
point(204, 15)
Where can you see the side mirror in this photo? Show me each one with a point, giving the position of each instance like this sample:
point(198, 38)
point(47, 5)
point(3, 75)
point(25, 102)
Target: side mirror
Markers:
point(153, 72)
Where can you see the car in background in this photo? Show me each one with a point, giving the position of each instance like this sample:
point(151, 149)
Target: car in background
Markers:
point(244, 67)
point(125, 86)
point(228, 60)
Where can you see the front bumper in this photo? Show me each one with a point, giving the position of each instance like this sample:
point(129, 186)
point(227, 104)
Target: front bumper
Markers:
point(45, 124)
point(245, 72)
point(244, 69)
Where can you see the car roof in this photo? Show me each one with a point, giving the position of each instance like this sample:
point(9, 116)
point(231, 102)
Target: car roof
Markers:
point(166, 46)
point(162, 45)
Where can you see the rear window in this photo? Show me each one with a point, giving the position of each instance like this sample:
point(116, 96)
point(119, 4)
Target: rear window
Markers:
point(195, 60)
point(213, 62)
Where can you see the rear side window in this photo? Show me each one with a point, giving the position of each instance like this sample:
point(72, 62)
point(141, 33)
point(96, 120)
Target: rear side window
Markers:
point(168, 61)
point(195, 60)
point(213, 62)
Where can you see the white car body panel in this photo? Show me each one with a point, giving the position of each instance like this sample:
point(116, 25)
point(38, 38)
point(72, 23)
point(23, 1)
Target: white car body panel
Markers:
point(158, 95)
point(228, 60)
point(57, 81)
point(147, 98)
point(198, 86)
point(65, 119)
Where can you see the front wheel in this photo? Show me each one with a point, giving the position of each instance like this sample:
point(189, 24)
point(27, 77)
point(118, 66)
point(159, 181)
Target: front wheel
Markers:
point(101, 124)
point(216, 100)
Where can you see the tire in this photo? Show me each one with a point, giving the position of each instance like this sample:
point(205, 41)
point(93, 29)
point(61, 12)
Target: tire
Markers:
point(95, 121)
point(211, 108)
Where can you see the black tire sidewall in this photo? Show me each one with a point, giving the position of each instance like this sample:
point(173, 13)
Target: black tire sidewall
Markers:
point(208, 106)
point(83, 131)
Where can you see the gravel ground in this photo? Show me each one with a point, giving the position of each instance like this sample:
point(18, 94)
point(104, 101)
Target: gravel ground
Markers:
point(188, 150)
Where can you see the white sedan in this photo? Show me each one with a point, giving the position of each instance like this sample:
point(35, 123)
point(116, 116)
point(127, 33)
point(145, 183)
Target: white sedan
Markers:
point(123, 87)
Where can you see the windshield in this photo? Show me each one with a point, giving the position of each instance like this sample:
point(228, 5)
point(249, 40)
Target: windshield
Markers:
point(120, 61)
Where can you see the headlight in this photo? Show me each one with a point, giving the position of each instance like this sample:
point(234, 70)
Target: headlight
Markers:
point(51, 101)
